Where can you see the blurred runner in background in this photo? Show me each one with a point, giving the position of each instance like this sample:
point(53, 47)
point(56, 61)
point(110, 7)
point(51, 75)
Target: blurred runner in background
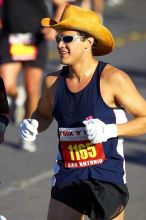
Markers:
point(23, 47)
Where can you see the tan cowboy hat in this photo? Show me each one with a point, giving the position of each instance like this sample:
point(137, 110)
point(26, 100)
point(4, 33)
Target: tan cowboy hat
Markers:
point(81, 19)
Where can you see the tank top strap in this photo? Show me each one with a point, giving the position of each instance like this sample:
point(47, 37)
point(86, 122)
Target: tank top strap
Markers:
point(64, 71)
point(61, 80)
point(94, 83)
point(100, 67)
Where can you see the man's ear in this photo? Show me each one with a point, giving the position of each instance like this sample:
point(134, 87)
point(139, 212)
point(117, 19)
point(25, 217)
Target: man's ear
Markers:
point(90, 42)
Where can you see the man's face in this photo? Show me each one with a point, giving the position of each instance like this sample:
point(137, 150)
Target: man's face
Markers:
point(70, 46)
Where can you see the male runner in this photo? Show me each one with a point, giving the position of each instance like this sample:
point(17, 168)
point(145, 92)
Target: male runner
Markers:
point(89, 100)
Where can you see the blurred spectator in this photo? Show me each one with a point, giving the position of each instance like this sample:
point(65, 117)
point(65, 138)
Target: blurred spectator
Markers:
point(23, 47)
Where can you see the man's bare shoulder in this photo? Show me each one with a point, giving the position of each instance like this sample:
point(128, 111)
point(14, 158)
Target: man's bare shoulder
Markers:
point(114, 75)
point(51, 78)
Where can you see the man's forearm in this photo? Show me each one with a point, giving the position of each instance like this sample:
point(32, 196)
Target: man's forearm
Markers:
point(44, 122)
point(132, 128)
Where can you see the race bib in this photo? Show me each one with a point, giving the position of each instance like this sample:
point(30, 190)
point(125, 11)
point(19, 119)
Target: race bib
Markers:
point(21, 47)
point(77, 150)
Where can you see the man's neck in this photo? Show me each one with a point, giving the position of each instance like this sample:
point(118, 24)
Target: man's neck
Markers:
point(83, 70)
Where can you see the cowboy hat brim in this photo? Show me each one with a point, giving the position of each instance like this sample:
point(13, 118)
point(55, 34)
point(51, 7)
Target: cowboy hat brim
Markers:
point(104, 39)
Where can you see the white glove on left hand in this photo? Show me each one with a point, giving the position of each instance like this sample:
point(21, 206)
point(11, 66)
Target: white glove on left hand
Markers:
point(28, 129)
point(98, 131)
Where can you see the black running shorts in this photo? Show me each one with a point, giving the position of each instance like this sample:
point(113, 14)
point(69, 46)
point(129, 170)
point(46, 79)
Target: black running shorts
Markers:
point(96, 199)
point(42, 52)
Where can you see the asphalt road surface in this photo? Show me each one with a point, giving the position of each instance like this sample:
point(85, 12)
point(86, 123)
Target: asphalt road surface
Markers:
point(26, 177)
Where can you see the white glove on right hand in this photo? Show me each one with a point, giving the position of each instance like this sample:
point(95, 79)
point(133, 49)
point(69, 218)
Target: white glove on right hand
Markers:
point(98, 131)
point(28, 129)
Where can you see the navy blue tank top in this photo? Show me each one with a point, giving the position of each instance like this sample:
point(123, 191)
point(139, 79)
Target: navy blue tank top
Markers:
point(77, 157)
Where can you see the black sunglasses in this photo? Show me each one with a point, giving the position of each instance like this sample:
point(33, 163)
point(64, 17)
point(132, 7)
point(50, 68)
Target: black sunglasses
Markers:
point(67, 39)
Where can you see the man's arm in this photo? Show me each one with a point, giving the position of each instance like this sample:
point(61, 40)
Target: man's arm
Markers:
point(44, 111)
point(127, 95)
point(43, 115)
point(118, 90)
